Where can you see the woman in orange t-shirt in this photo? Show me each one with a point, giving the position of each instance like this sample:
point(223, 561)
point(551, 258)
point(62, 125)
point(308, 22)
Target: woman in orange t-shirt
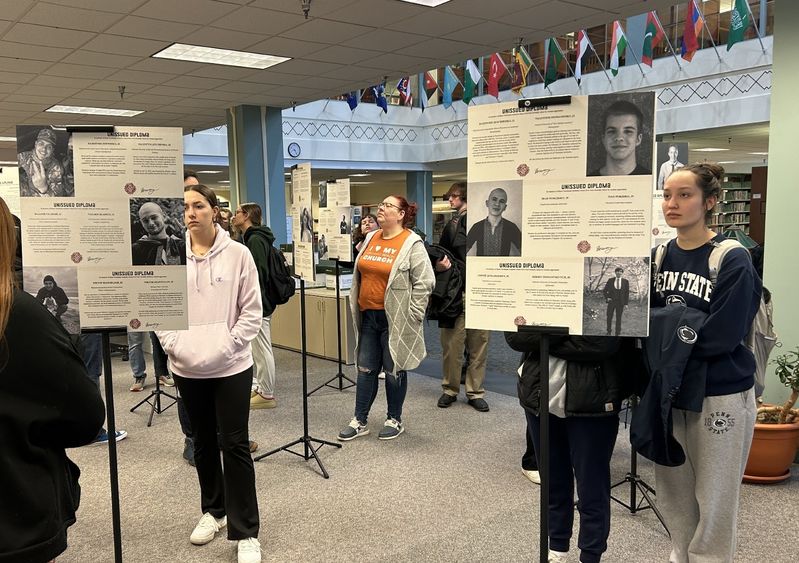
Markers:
point(391, 285)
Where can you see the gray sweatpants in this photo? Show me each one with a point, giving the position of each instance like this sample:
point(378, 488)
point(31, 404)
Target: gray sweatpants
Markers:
point(699, 499)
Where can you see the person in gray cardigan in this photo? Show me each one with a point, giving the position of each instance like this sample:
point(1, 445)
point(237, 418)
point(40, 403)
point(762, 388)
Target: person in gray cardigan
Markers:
point(391, 285)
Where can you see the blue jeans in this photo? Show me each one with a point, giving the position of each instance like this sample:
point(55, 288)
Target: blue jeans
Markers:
point(92, 352)
point(374, 357)
point(136, 354)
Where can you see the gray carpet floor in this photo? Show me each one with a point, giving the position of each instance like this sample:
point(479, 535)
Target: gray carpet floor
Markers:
point(449, 489)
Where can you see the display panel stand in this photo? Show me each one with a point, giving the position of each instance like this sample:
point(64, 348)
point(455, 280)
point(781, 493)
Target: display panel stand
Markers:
point(154, 400)
point(637, 484)
point(112, 429)
point(309, 450)
point(340, 375)
point(543, 452)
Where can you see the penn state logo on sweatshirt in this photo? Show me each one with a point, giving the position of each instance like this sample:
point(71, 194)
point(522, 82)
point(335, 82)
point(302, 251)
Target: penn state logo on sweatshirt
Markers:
point(684, 277)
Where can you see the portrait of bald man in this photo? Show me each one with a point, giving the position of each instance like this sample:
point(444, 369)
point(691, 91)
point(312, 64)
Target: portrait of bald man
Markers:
point(162, 243)
point(495, 235)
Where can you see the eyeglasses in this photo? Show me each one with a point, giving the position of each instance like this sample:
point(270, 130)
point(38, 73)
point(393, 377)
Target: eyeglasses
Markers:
point(384, 204)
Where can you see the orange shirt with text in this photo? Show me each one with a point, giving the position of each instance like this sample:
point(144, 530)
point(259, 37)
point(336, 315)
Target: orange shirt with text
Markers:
point(374, 266)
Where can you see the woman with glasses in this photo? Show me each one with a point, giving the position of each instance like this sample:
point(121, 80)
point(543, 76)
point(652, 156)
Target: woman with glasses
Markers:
point(391, 285)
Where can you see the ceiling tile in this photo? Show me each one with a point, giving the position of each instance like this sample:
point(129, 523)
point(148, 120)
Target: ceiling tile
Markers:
point(94, 58)
point(239, 88)
point(184, 93)
point(42, 101)
point(284, 47)
point(222, 39)
point(434, 23)
point(478, 8)
point(120, 45)
point(44, 13)
point(254, 20)
point(117, 6)
point(8, 88)
point(39, 90)
point(124, 76)
point(439, 47)
point(326, 31)
point(197, 82)
point(220, 96)
point(398, 63)
point(165, 66)
point(113, 86)
point(100, 96)
point(318, 9)
point(544, 17)
point(62, 81)
point(14, 10)
point(35, 52)
point(79, 71)
point(385, 40)
point(147, 28)
point(342, 55)
point(21, 65)
point(222, 72)
point(301, 66)
point(192, 11)
point(151, 100)
point(16, 77)
point(375, 13)
point(47, 36)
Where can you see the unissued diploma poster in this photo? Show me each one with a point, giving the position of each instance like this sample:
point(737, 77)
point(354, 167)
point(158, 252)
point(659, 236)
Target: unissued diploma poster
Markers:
point(560, 213)
point(302, 222)
point(335, 233)
point(102, 226)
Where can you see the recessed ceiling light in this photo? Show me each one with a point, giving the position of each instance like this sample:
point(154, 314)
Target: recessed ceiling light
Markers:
point(360, 183)
point(212, 55)
point(709, 149)
point(8, 163)
point(95, 111)
point(223, 182)
point(364, 175)
point(209, 172)
point(726, 162)
point(9, 139)
point(755, 153)
point(430, 3)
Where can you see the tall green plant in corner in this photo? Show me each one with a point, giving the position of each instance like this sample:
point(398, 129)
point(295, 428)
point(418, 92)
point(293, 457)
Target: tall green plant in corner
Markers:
point(788, 372)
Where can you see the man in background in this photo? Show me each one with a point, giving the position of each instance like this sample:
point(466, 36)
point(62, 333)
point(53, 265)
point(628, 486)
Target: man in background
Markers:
point(455, 337)
point(617, 295)
point(259, 238)
point(669, 166)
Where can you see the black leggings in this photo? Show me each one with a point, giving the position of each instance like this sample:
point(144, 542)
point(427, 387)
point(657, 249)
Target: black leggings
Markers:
point(223, 403)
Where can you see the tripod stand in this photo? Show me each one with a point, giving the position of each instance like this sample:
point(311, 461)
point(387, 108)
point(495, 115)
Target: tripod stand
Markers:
point(637, 484)
point(154, 400)
point(340, 375)
point(309, 450)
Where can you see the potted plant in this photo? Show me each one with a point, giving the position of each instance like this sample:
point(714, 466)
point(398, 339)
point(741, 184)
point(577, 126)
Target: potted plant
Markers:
point(776, 435)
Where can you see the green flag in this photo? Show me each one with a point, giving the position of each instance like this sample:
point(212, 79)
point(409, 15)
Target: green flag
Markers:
point(470, 80)
point(553, 60)
point(739, 22)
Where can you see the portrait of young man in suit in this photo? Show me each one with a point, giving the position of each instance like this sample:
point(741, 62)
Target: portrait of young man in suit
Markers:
point(617, 295)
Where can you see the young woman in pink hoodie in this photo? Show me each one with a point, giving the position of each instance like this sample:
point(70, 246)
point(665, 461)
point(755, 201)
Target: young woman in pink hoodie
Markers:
point(212, 364)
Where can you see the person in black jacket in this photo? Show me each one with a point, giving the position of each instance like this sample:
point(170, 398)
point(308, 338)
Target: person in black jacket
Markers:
point(47, 403)
point(588, 381)
point(259, 238)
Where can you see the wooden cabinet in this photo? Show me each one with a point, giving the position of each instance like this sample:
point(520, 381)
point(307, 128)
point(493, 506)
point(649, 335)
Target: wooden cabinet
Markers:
point(320, 328)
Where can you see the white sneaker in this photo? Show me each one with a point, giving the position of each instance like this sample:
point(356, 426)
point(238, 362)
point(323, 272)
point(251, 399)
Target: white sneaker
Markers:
point(381, 375)
point(557, 556)
point(207, 528)
point(533, 475)
point(249, 551)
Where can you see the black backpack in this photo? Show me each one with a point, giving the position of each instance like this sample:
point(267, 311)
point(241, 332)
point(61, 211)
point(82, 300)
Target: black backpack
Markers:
point(280, 285)
point(446, 301)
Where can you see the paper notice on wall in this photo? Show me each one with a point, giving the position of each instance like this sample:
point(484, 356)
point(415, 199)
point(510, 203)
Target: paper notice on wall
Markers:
point(302, 224)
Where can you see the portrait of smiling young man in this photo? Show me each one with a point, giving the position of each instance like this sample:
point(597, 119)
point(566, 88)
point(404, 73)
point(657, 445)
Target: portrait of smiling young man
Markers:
point(621, 136)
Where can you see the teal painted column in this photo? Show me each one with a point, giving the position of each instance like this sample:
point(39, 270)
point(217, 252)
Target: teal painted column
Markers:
point(782, 199)
point(255, 146)
point(420, 189)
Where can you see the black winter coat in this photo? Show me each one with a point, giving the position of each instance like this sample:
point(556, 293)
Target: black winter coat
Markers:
point(47, 403)
point(599, 372)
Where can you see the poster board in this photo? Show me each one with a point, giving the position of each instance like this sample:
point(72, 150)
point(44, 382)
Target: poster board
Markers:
point(102, 219)
point(669, 157)
point(335, 221)
point(302, 222)
point(551, 218)
point(9, 188)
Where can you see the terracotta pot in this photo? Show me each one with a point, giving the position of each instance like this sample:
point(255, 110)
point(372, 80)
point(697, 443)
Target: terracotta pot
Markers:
point(773, 449)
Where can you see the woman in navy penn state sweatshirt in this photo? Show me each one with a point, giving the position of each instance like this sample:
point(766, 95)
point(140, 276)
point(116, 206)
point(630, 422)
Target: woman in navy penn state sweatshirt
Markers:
point(699, 499)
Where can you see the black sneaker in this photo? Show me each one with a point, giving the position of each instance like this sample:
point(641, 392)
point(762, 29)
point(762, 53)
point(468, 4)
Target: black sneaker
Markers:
point(188, 451)
point(446, 400)
point(479, 405)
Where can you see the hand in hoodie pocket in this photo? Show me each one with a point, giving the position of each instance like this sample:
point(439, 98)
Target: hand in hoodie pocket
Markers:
point(207, 355)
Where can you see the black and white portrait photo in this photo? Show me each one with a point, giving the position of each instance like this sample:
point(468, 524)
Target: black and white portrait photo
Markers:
point(670, 158)
point(615, 296)
point(620, 134)
point(306, 225)
point(494, 219)
point(45, 162)
point(322, 194)
point(156, 231)
point(56, 288)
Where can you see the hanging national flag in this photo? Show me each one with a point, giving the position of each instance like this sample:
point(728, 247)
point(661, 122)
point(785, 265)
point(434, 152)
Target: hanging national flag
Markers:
point(618, 44)
point(497, 69)
point(521, 66)
point(380, 97)
point(582, 47)
point(653, 35)
point(450, 81)
point(352, 100)
point(430, 85)
point(552, 62)
point(471, 79)
point(404, 89)
point(690, 35)
point(739, 23)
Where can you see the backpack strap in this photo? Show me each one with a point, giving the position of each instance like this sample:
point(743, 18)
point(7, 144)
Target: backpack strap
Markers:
point(720, 250)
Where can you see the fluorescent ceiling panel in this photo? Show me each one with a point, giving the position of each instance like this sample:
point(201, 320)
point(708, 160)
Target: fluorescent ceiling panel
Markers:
point(95, 111)
point(709, 149)
point(212, 55)
point(431, 3)
point(8, 139)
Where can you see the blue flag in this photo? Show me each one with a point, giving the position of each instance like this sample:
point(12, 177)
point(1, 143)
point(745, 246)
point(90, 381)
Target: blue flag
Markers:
point(352, 100)
point(450, 81)
point(380, 96)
